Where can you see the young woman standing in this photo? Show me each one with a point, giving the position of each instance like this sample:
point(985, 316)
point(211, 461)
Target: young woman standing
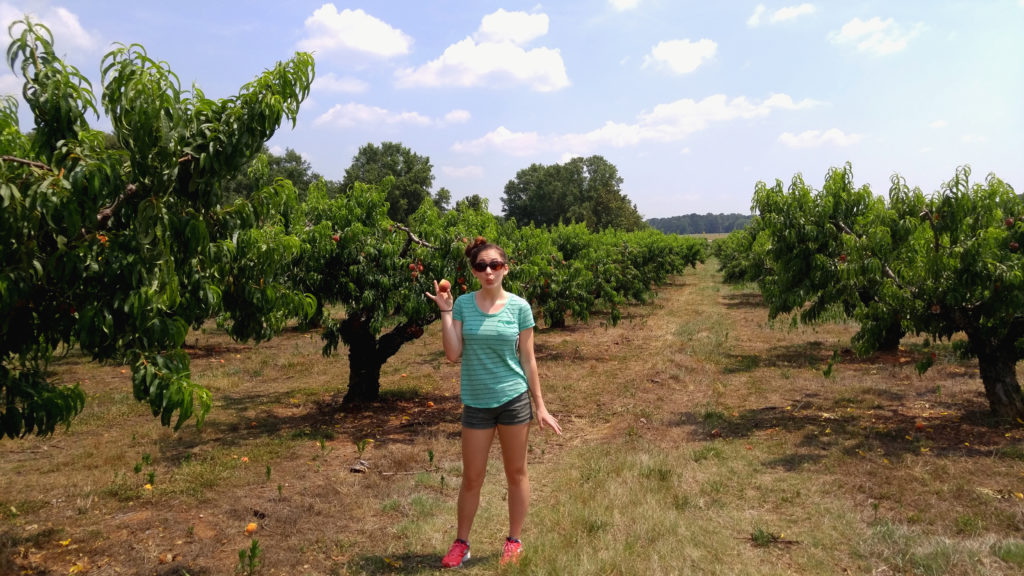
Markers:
point(491, 330)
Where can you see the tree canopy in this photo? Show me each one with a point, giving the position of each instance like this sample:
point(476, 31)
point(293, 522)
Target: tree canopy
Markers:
point(118, 250)
point(413, 176)
point(943, 265)
point(700, 223)
point(583, 190)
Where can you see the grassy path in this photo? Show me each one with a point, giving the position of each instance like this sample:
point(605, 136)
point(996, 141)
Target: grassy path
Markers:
point(699, 439)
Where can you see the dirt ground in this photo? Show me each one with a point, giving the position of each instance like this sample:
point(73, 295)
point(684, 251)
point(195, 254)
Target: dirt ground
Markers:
point(118, 494)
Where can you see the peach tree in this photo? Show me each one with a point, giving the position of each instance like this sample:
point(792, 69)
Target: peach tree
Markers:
point(806, 269)
point(951, 264)
point(119, 250)
point(741, 254)
point(947, 265)
point(376, 272)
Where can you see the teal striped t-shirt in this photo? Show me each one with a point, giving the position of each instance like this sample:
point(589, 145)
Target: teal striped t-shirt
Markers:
point(491, 372)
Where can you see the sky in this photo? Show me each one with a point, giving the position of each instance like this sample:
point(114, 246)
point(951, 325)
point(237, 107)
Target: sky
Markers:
point(694, 102)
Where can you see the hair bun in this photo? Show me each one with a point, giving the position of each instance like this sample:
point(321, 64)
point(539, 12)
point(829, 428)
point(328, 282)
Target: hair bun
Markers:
point(474, 246)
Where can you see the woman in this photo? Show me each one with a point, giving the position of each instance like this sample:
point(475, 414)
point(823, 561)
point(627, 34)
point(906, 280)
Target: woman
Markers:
point(492, 332)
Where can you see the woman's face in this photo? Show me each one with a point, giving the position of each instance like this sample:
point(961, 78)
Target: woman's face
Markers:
point(490, 276)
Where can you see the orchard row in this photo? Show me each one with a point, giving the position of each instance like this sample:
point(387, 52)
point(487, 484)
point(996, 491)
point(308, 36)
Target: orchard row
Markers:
point(944, 265)
point(120, 248)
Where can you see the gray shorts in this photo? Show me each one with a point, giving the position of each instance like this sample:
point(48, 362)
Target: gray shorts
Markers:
point(516, 411)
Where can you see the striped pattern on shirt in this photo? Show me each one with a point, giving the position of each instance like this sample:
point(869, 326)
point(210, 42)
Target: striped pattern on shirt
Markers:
point(491, 372)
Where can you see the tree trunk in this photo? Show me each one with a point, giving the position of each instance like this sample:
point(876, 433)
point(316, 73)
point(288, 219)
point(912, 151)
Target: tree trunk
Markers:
point(892, 336)
point(367, 355)
point(999, 375)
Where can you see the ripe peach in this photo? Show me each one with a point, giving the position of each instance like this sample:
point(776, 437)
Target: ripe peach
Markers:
point(444, 286)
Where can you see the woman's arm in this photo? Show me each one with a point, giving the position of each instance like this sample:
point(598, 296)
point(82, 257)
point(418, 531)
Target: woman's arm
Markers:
point(451, 329)
point(529, 361)
point(451, 337)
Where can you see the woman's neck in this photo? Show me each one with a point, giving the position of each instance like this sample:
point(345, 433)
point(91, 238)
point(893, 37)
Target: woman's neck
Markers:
point(491, 294)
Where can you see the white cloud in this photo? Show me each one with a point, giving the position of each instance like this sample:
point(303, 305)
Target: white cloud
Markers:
point(514, 27)
point(463, 171)
point(352, 114)
point(482, 61)
point(353, 31)
point(67, 30)
point(666, 123)
point(790, 12)
point(457, 117)
point(817, 138)
point(942, 123)
point(623, 5)
point(503, 139)
point(780, 15)
point(11, 84)
point(875, 36)
point(347, 84)
point(681, 56)
point(755, 19)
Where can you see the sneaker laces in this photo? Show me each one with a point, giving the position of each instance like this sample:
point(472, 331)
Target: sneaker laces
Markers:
point(511, 550)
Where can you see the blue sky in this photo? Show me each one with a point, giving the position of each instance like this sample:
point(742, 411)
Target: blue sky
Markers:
point(692, 101)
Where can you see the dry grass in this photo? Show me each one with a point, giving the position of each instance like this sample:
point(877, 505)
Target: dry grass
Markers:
point(700, 439)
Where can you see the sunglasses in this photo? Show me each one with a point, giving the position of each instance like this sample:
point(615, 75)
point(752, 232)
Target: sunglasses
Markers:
point(493, 265)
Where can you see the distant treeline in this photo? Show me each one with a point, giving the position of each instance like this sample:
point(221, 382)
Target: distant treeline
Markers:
point(700, 223)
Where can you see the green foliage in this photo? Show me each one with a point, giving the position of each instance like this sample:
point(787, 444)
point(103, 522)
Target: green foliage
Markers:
point(701, 223)
point(811, 267)
point(742, 254)
point(938, 265)
point(118, 250)
point(268, 167)
point(583, 190)
point(249, 559)
point(412, 176)
point(357, 257)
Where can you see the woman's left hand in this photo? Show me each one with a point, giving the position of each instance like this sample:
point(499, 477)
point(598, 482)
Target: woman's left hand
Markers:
point(544, 418)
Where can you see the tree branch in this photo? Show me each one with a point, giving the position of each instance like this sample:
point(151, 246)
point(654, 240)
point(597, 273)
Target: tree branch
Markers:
point(31, 163)
point(412, 238)
point(885, 267)
point(931, 223)
point(104, 215)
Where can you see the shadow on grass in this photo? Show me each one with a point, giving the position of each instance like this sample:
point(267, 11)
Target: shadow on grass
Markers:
point(742, 300)
point(401, 418)
point(405, 563)
point(400, 564)
point(883, 430)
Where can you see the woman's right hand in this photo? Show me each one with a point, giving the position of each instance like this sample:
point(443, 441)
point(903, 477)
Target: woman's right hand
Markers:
point(442, 295)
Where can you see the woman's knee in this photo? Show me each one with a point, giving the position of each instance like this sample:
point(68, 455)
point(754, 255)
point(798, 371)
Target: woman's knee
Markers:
point(517, 475)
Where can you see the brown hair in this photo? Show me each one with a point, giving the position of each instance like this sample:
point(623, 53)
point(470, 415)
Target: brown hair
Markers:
point(481, 244)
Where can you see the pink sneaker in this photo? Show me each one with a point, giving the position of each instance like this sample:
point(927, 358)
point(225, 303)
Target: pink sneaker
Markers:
point(510, 553)
point(457, 554)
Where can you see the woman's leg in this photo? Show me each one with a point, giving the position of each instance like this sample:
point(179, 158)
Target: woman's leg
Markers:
point(476, 445)
point(513, 454)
